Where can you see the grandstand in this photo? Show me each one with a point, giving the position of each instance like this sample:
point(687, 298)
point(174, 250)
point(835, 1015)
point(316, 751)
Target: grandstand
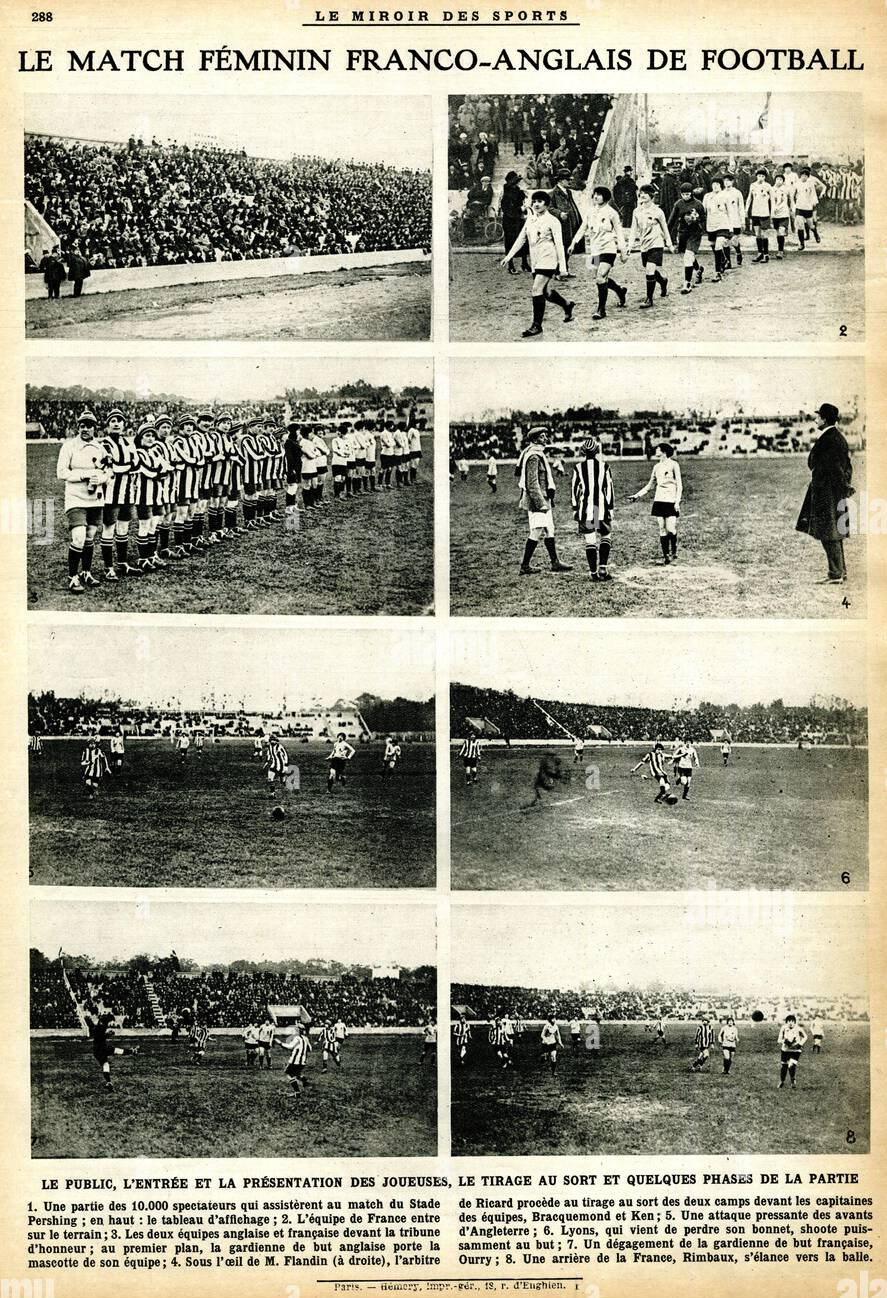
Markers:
point(135, 204)
point(532, 1004)
point(155, 994)
point(627, 435)
point(51, 413)
point(830, 721)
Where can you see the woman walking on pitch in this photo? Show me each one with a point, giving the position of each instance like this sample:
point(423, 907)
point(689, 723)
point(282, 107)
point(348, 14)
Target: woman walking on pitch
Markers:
point(542, 233)
point(604, 238)
point(667, 492)
point(511, 209)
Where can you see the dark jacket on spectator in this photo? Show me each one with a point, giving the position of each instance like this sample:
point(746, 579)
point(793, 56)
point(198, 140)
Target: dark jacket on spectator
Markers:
point(831, 473)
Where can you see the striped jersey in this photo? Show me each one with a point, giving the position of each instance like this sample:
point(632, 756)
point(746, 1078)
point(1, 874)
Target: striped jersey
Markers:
point(462, 1032)
point(656, 760)
point(328, 1038)
point(300, 1050)
point(470, 749)
point(276, 758)
point(592, 493)
point(94, 763)
point(704, 1036)
point(122, 462)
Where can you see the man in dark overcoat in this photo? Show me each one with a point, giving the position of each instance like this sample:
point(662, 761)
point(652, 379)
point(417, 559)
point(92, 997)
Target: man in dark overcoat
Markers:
point(825, 512)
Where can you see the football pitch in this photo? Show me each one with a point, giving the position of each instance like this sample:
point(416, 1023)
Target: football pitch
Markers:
point(775, 818)
point(382, 1103)
point(372, 554)
point(739, 554)
point(371, 303)
point(206, 822)
point(638, 1097)
point(807, 297)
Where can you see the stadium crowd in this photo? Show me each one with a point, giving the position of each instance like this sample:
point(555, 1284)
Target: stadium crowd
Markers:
point(139, 204)
point(637, 434)
point(554, 133)
point(760, 723)
point(533, 1004)
point(220, 998)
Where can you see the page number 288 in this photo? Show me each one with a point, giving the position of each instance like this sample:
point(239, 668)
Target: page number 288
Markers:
point(42, 17)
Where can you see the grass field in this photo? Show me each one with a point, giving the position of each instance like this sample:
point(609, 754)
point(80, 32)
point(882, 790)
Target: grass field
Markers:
point(373, 554)
point(807, 297)
point(378, 303)
point(637, 1097)
point(739, 553)
point(776, 818)
point(381, 1104)
point(206, 823)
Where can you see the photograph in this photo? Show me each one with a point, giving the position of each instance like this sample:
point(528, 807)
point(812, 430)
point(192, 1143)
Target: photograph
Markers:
point(659, 756)
point(663, 1026)
point(230, 485)
point(155, 1024)
point(173, 217)
point(681, 487)
point(230, 757)
point(717, 218)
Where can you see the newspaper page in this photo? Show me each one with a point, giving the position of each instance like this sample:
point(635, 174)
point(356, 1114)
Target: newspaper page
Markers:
point(442, 527)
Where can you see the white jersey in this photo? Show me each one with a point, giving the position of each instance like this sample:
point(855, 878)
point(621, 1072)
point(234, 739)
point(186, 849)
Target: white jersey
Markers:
point(342, 751)
point(717, 212)
point(807, 193)
point(81, 466)
point(735, 209)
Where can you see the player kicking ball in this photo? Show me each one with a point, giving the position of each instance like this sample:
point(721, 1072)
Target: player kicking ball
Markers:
point(655, 760)
point(100, 1031)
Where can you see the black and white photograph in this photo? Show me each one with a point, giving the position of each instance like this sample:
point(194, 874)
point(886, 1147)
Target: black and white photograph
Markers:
point(230, 485)
point(231, 756)
point(725, 218)
point(659, 755)
point(168, 217)
point(248, 1029)
point(670, 1025)
point(659, 487)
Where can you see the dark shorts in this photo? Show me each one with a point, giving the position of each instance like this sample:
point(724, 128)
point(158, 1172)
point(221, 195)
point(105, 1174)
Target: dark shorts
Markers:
point(663, 509)
point(294, 1070)
point(689, 240)
point(84, 515)
point(805, 212)
point(790, 1056)
point(652, 258)
point(116, 513)
point(762, 222)
point(717, 234)
point(737, 229)
point(548, 274)
point(780, 223)
point(146, 511)
point(604, 259)
point(293, 477)
point(337, 764)
point(387, 461)
point(470, 763)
